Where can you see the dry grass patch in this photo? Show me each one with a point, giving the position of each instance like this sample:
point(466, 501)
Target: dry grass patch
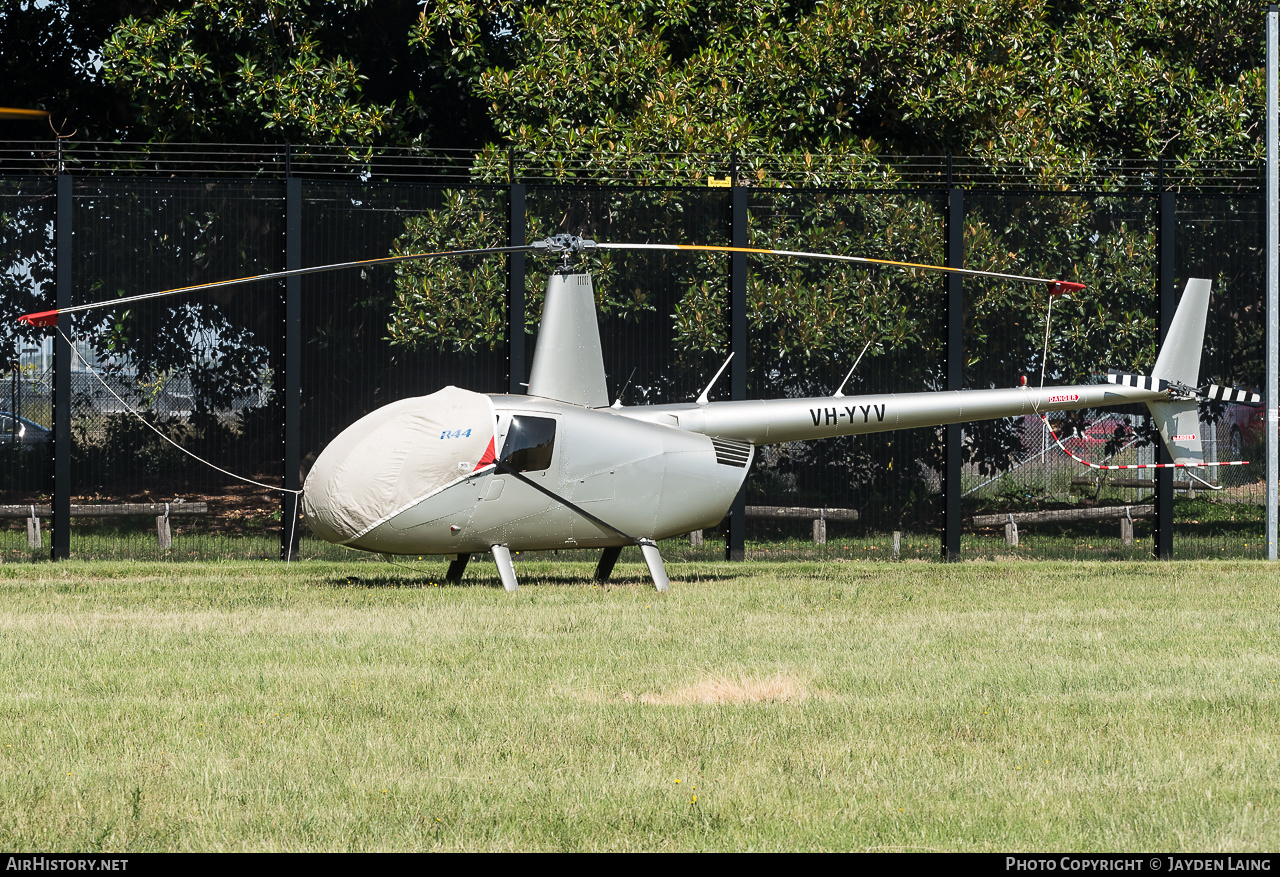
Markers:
point(714, 689)
point(711, 689)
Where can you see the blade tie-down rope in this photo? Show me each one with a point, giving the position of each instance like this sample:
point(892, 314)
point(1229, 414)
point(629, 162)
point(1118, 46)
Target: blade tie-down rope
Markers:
point(127, 407)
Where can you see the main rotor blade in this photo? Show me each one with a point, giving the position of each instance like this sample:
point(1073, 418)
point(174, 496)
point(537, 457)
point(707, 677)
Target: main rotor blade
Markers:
point(556, 244)
point(1056, 287)
point(49, 318)
point(14, 113)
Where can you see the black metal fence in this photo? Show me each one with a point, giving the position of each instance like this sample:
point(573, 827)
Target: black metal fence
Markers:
point(131, 405)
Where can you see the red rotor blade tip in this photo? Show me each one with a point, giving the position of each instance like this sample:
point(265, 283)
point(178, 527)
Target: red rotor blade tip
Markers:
point(40, 320)
point(1062, 287)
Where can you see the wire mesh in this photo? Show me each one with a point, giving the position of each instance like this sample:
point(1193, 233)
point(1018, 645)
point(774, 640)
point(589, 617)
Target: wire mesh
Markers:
point(494, 165)
point(356, 358)
point(1014, 332)
point(198, 370)
point(1220, 237)
point(809, 322)
point(1110, 243)
point(206, 370)
point(27, 208)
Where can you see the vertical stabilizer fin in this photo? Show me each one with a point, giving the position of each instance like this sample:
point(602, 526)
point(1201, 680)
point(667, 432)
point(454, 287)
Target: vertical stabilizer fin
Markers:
point(1179, 424)
point(1179, 364)
point(568, 364)
point(1179, 359)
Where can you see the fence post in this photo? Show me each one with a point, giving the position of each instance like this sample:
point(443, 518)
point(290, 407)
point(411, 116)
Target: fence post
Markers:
point(515, 286)
point(289, 526)
point(60, 543)
point(735, 547)
point(1272, 295)
point(951, 514)
point(1167, 303)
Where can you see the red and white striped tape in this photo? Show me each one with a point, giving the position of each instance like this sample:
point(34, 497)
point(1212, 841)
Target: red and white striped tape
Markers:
point(1084, 462)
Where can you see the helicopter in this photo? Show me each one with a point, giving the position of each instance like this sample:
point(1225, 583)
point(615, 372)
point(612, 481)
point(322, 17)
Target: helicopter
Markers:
point(458, 473)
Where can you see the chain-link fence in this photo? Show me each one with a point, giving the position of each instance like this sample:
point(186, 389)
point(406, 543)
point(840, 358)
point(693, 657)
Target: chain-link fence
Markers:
point(162, 392)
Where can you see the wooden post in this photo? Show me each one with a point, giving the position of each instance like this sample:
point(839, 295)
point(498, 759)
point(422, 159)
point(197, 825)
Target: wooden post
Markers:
point(164, 537)
point(897, 545)
point(1126, 528)
point(33, 529)
point(695, 539)
point(820, 529)
point(1011, 533)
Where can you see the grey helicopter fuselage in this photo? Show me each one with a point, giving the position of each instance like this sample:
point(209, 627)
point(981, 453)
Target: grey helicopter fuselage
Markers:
point(641, 478)
point(658, 470)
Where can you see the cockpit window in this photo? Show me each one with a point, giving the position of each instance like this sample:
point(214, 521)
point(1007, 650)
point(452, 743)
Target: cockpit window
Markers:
point(530, 443)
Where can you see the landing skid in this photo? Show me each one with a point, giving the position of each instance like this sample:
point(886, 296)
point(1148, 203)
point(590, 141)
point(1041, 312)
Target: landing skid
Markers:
point(608, 558)
point(654, 560)
point(506, 569)
point(457, 567)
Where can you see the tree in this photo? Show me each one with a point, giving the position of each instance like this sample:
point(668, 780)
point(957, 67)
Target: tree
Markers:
point(304, 71)
point(49, 51)
point(987, 78)
point(999, 79)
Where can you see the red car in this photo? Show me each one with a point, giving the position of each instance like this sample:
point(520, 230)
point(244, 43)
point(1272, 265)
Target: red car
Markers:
point(1243, 428)
point(1088, 444)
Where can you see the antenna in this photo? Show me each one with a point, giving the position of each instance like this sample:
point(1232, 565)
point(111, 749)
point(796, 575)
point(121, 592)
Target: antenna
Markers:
point(617, 403)
point(703, 400)
point(839, 393)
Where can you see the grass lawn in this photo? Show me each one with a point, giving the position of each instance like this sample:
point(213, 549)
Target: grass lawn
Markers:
point(798, 706)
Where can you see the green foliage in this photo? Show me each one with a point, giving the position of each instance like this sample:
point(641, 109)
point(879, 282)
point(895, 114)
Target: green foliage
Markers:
point(179, 70)
point(346, 72)
point(974, 77)
point(988, 78)
point(460, 304)
point(457, 304)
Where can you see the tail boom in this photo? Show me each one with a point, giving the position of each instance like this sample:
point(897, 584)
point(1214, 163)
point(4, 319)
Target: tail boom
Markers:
point(791, 420)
